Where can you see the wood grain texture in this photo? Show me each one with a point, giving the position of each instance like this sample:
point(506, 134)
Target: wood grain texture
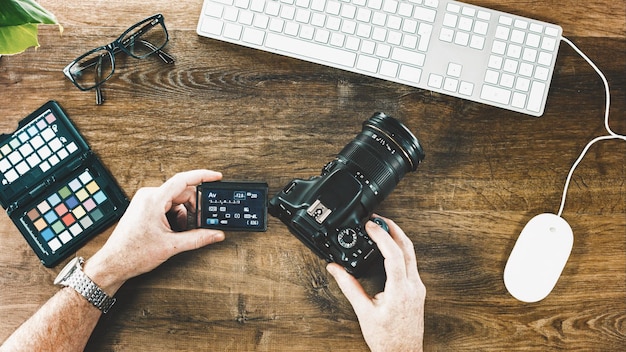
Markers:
point(258, 116)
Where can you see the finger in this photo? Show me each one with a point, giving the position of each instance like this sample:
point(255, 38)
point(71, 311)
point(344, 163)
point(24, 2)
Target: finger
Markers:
point(395, 268)
point(350, 287)
point(187, 197)
point(194, 239)
point(406, 245)
point(178, 218)
point(179, 184)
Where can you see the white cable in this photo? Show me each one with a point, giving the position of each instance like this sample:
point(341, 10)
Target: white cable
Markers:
point(611, 135)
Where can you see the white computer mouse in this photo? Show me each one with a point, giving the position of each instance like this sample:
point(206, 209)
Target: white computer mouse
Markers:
point(538, 257)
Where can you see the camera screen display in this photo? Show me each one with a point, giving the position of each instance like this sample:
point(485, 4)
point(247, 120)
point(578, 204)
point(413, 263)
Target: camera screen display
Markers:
point(232, 206)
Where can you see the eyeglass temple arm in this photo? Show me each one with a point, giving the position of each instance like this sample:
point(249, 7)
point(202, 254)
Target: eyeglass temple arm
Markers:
point(167, 58)
point(99, 97)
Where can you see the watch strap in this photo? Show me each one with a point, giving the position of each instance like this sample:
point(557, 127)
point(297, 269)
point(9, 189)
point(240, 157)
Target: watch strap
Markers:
point(74, 277)
point(80, 282)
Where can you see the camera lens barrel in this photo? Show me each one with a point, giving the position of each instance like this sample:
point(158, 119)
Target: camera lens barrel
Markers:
point(383, 152)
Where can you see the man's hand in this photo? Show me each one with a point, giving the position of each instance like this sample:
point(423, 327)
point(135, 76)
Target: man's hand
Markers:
point(144, 237)
point(392, 320)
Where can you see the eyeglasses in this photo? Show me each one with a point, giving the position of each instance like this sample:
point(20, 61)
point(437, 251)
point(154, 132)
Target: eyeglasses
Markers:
point(92, 69)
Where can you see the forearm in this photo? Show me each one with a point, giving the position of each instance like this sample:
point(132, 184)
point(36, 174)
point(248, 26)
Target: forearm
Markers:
point(142, 240)
point(64, 323)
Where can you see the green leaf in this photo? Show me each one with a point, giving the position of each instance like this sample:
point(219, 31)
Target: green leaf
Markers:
point(17, 12)
point(18, 24)
point(16, 39)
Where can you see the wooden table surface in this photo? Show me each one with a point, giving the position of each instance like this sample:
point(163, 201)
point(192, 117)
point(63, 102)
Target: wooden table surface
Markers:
point(259, 116)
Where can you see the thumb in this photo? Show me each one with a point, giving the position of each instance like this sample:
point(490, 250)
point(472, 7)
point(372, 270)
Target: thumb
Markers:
point(351, 288)
point(196, 238)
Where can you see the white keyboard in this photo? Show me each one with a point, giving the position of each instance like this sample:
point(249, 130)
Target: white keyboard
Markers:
point(445, 46)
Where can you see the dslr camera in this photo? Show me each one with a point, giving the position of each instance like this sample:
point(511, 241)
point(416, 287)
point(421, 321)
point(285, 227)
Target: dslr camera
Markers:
point(328, 212)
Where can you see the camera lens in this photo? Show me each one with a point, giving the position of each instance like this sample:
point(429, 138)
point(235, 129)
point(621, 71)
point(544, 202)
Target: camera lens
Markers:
point(380, 155)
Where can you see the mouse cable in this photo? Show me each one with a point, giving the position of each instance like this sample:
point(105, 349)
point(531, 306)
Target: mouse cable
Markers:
point(611, 134)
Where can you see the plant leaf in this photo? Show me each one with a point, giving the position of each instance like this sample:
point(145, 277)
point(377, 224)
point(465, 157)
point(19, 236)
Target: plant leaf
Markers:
point(18, 25)
point(16, 39)
point(18, 12)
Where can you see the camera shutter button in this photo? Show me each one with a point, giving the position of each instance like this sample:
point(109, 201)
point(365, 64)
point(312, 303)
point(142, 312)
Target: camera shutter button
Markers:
point(347, 238)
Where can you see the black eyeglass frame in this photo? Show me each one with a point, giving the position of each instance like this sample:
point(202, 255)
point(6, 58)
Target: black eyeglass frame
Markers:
point(117, 45)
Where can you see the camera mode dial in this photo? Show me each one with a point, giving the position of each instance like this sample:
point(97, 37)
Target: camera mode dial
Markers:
point(347, 238)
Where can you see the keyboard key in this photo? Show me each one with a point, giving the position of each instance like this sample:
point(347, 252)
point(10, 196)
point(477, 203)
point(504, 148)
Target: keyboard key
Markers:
point(492, 77)
point(232, 31)
point(461, 39)
point(522, 84)
point(423, 14)
point(529, 55)
point(446, 35)
point(405, 9)
point(435, 81)
point(484, 15)
point(253, 36)
point(389, 68)
point(452, 7)
point(408, 56)
point(536, 27)
point(431, 3)
point(466, 88)
point(465, 24)
point(315, 51)
point(507, 80)
point(477, 42)
point(495, 62)
point(425, 30)
point(322, 36)
point(454, 69)
point(502, 32)
point(506, 20)
point(526, 69)
point(367, 63)
point(410, 74)
point(450, 84)
point(551, 31)
point(257, 5)
point(519, 100)
point(481, 27)
point(499, 47)
point(535, 98)
point(548, 44)
point(533, 40)
point(495, 94)
point(544, 58)
point(449, 20)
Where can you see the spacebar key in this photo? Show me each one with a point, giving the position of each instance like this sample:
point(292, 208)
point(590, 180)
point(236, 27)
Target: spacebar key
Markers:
point(313, 51)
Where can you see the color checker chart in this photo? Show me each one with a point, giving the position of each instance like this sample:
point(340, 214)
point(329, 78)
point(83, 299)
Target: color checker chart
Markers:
point(54, 188)
point(69, 211)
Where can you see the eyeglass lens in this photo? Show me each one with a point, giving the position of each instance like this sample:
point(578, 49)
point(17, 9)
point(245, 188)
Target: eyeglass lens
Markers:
point(92, 69)
point(145, 38)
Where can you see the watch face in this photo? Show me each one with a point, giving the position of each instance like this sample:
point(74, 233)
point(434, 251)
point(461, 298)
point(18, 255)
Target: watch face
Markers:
point(67, 270)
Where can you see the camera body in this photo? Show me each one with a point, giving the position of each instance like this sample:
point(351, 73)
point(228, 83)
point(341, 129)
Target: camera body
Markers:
point(328, 212)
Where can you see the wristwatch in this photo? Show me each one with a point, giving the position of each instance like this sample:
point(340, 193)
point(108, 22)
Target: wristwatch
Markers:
point(73, 276)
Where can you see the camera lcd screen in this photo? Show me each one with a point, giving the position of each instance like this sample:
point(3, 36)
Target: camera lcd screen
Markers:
point(232, 206)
